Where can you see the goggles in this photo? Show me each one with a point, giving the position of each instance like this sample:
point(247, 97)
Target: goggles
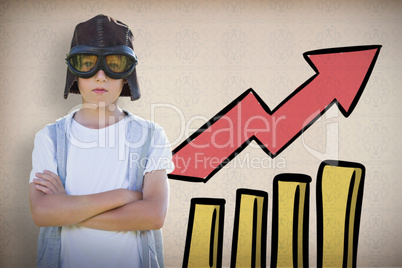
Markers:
point(117, 62)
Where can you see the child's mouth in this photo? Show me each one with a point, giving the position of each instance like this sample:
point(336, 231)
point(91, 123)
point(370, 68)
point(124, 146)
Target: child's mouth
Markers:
point(99, 90)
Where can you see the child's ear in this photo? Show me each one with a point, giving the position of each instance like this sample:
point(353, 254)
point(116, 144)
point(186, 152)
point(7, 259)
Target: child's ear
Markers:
point(125, 81)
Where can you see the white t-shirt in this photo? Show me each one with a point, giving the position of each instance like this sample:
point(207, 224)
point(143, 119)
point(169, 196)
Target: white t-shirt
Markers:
point(98, 161)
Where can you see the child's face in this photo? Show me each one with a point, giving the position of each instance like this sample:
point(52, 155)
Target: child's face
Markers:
point(100, 90)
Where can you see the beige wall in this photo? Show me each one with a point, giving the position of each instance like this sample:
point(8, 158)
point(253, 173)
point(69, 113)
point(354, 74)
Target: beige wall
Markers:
point(195, 57)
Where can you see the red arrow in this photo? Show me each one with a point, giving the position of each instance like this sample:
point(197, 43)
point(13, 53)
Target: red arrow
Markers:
point(341, 75)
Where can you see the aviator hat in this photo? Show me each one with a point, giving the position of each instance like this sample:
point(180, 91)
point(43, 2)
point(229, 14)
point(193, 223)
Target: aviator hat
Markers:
point(102, 32)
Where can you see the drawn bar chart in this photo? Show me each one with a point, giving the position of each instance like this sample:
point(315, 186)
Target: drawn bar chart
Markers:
point(205, 233)
point(339, 191)
point(250, 229)
point(290, 220)
point(339, 200)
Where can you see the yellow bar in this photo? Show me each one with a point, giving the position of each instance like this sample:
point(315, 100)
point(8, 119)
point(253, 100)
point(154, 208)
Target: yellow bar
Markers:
point(339, 199)
point(250, 229)
point(204, 233)
point(291, 193)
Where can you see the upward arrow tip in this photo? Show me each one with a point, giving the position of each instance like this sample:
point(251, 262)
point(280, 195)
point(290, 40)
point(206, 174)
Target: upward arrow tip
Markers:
point(347, 69)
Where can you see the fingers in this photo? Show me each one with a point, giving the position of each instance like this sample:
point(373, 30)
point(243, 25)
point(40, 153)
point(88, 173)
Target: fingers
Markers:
point(50, 181)
point(43, 188)
point(55, 177)
point(43, 183)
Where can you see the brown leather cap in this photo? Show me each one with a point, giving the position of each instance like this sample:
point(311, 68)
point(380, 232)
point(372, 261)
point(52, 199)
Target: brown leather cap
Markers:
point(103, 31)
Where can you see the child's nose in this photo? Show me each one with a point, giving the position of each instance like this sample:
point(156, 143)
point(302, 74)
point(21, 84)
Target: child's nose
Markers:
point(100, 76)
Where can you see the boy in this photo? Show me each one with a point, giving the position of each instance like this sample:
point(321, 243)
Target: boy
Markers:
point(87, 190)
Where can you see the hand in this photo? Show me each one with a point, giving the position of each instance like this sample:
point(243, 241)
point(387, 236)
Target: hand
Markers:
point(49, 183)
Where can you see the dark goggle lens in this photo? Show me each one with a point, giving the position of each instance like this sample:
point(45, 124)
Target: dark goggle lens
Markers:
point(116, 63)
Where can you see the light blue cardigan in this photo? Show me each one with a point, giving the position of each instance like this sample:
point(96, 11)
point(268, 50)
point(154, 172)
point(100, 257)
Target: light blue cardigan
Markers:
point(49, 241)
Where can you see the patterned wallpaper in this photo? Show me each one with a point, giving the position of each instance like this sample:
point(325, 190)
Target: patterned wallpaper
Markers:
point(195, 57)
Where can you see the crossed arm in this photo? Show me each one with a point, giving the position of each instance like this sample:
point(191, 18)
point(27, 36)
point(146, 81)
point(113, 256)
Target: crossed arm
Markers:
point(115, 210)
